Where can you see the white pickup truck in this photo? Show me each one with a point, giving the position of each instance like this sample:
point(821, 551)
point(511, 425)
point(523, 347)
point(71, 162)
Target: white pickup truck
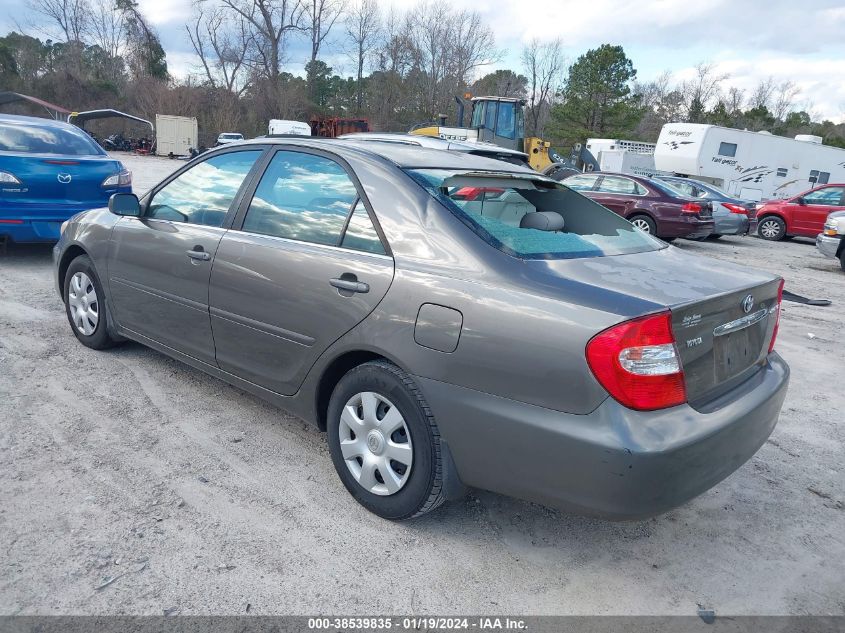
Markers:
point(831, 241)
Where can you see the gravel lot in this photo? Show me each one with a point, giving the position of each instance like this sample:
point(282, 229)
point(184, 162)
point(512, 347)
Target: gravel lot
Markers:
point(132, 484)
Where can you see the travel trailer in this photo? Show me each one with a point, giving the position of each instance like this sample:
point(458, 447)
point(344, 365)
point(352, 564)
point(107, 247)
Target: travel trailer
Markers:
point(748, 165)
point(622, 156)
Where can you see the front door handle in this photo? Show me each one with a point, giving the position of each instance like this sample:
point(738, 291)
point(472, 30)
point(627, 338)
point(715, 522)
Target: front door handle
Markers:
point(199, 254)
point(350, 285)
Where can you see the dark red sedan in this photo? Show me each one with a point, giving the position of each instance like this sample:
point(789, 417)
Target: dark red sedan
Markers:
point(651, 206)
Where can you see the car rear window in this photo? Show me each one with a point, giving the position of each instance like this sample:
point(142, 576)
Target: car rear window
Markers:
point(494, 206)
point(22, 138)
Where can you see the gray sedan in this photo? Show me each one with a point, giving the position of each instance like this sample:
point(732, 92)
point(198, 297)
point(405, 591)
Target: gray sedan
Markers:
point(449, 321)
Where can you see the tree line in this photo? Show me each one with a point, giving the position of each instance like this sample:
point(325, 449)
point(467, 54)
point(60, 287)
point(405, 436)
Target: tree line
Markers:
point(402, 68)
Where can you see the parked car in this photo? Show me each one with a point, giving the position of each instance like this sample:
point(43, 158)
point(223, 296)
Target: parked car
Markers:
point(651, 206)
point(49, 171)
point(448, 319)
point(479, 148)
point(229, 137)
point(732, 216)
point(831, 241)
point(803, 215)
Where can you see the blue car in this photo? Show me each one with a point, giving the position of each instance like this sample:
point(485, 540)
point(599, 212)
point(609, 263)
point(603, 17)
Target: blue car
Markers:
point(50, 171)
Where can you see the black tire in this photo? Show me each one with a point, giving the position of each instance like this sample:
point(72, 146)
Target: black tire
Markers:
point(99, 337)
point(771, 228)
point(423, 490)
point(714, 236)
point(652, 227)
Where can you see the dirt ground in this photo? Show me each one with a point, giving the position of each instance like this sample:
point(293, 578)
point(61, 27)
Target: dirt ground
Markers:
point(133, 484)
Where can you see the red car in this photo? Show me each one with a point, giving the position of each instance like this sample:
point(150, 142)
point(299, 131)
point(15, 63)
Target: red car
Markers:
point(803, 215)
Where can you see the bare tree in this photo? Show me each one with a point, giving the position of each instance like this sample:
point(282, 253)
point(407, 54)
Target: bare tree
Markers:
point(471, 45)
point(784, 99)
point(321, 16)
point(762, 95)
point(70, 16)
point(106, 27)
point(363, 26)
point(428, 30)
point(735, 100)
point(544, 65)
point(270, 21)
point(221, 42)
point(700, 91)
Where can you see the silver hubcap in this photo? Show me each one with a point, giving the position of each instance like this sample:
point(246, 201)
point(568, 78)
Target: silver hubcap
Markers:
point(84, 306)
point(769, 228)
point(375, 443)
point(642, 225)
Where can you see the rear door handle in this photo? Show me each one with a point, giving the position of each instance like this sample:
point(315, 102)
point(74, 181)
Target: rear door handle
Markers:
point(198, 254)
point(350, 285)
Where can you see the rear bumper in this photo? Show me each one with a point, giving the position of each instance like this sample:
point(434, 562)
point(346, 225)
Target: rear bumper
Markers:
point(613, 463)
point(688, 226)
point(41, 230)
point(828, 245)
point(732, 224)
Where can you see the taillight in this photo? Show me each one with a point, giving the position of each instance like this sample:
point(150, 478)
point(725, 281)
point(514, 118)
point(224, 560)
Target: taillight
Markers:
point(777, 317)
point(735, 208)
point(8, 178)
point(691, 207)
point(638, 364)
point(121, 179)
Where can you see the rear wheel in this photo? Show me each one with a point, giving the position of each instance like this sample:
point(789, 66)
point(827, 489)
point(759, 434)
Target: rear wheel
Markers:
point(713, 236)
point(644, 224)
point(85, 304)
point(384, 442)
point(771, 228)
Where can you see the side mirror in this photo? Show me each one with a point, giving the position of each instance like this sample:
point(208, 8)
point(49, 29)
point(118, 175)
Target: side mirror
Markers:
point(799, 200)
point(125, 204)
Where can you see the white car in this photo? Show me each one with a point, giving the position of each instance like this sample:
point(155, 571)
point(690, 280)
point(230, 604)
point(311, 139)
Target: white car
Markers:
point(229, 137)
point(831, 241)
point(488, 150)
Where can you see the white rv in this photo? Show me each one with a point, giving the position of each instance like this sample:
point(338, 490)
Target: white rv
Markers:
point(622, 156)
point(748, 165)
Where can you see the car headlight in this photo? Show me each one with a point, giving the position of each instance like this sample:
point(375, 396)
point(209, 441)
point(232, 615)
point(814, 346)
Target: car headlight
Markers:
point(121, 179)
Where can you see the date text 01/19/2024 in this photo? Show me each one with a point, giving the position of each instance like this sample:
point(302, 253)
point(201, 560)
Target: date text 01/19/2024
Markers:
point(417, 623)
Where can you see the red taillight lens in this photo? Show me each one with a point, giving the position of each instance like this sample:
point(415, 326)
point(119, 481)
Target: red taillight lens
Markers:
point(474, 193)
point(691, 207)
point(777, 317)
point(638, 364)
point(735, 208)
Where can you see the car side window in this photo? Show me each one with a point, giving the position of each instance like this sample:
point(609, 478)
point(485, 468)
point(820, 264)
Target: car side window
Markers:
point(683, 187)
point(360, 234)
point(829, 196)
point(302, 197)
point(614, 184)
point(203, 193)
point(581, 183)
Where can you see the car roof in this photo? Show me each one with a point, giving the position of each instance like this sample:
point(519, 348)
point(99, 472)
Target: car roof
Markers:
point(431, 141)
point(400, 154)
point(37, 121)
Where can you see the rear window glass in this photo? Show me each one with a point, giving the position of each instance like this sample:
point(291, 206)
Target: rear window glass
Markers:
point(21, 138)
point(495, 207)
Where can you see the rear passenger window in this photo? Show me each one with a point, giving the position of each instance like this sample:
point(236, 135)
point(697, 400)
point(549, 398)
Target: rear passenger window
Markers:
point(360, 234)
point(613, 184)
point(203, 193)
point(581, 183)
point(302, 197)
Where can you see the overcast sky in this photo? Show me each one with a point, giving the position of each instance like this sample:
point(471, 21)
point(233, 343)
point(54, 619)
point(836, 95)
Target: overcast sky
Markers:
point(803, 41)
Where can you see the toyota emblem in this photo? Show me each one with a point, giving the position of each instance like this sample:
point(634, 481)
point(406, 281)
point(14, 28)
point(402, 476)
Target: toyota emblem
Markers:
point(64, 178)
point(748, 303)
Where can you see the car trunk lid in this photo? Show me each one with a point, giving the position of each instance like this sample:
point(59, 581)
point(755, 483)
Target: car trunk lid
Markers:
point(49, 182)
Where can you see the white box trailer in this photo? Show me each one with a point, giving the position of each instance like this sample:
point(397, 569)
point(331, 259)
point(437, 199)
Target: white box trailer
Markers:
point(284, 126)
point(176, 135)
point(748, 165)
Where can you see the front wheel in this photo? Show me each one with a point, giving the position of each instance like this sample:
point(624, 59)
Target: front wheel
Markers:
point(85, 304)
point(772, 228)
point(384, 442)
point(644, 224)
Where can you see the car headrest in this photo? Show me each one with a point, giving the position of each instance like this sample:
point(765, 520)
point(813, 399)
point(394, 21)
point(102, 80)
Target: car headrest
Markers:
point(542, 221)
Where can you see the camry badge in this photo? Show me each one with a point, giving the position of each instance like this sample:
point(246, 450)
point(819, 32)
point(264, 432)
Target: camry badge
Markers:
point(748, 303)
point(64, 178)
